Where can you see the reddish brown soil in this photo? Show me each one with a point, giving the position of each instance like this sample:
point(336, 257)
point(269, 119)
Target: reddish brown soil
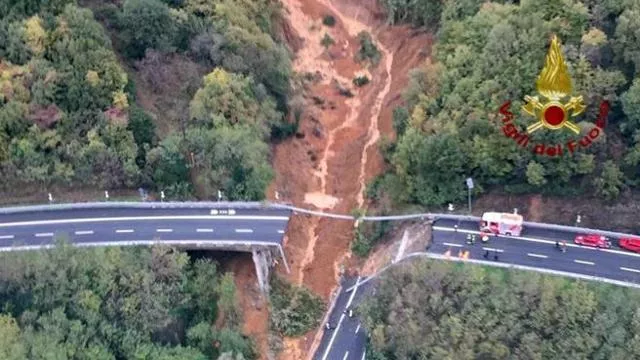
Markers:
point(327, 166)
point(252, 303)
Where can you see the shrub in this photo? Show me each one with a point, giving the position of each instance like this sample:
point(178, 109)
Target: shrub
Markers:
point(328, 20)
point(294, 309)
point(368, 50)
point(360, 80)
point(327, 41)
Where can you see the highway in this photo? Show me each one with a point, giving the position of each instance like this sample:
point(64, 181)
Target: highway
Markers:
point(534, 248)
point(33, 227)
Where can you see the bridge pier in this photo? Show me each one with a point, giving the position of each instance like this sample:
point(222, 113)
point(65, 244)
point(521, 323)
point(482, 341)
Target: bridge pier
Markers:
point(262, 258)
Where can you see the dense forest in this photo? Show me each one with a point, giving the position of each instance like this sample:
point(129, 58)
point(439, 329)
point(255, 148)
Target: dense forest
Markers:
point(68, 108)
point(113, 303)
point(488, 53)
point(442, 310)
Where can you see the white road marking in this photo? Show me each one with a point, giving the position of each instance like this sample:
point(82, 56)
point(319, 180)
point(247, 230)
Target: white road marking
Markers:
point(629, 269)
point(583, 262)
point(363, 354)
point(335, 331)
point(244, 230)
point(345, 355)
point(541, 241)
point(141, 218)
point(530, 268)
point(120, 231)
point(205, 230)
point(44, 234)
point(358, 328)
point(537, 255)
point(280, 231)
point(492, 249)
point(452, 244)
point(85, 232)
point(164, 230)
point(6, 236)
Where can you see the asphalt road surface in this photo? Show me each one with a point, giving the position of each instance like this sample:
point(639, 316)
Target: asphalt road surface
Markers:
point(346, 339)
point(535, 248)
point(122, 225)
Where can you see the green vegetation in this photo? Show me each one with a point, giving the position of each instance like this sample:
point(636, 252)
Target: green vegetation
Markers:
point(490, 52)
point(367, 235)
point(327, 41)
point(328, 20)
point(116, 303)
point(68, 112)
point(360, 80)
point(368, 50)
point(294, 309)
point(443, 310)
point(420, 12)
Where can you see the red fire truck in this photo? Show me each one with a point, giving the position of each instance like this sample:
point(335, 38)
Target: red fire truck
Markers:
point(501, 223)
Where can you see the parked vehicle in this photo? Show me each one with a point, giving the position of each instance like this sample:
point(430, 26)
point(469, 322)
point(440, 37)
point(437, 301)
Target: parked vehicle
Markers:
point(593, 240)
point(501, 223)
point(631, 244)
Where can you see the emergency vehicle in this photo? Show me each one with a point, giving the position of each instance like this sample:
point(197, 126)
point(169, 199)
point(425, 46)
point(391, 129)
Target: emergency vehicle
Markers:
point(501, 223)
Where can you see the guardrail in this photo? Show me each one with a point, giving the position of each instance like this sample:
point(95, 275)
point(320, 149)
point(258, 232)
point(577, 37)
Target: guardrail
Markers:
point(283, 206)
point(141, 205)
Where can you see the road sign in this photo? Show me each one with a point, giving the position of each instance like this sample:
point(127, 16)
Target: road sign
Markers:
point(470, 183)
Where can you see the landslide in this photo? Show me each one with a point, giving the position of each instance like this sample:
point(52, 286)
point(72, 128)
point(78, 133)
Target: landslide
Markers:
point(327, 164)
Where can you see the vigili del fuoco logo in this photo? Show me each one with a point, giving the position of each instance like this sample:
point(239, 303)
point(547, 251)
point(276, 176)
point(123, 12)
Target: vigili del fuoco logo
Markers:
point(554, 111)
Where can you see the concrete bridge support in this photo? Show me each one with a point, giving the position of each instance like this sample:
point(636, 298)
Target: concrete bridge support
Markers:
point(263, 259)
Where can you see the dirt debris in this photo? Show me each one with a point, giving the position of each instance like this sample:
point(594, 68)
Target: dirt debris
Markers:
point(345, 155)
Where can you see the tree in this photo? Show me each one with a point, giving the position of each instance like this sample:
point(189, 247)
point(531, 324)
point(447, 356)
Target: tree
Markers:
point(627, 37)
point(535, 174)
point(146, 24)
point(11, 347)
point(430, 167)
point(609, 183)
point(233, 160)
point(229, 99)
point(631, 106)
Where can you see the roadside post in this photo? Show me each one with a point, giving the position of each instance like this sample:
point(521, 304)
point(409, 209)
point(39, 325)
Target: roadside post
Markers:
point(469, 187)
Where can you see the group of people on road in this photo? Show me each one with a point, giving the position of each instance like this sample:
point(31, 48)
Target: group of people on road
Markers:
point(348, 311)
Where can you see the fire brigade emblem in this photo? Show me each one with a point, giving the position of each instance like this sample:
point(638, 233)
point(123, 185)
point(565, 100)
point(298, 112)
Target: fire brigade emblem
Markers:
point(554, 84)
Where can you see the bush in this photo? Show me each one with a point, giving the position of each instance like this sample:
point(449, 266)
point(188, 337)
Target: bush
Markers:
point(146, 24)
point(368, 50)
point(294, 309)
point(327, 41)
point(328, 20)
point(360, 80)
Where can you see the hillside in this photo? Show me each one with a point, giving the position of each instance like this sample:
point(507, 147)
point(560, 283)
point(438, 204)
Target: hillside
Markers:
point(437, 310)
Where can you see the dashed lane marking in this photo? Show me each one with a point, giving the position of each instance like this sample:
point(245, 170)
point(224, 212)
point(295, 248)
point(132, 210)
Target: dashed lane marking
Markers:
point(540, 241)
point(452, 244)
point(358, 328)
point(280, 231)
point(122, 231)
point(629, 269)
point(583, 262)
point(164, 230)
point(6, 236)
point(44, 234)
point(492, 249)
point(345, 356)
point(204, 230)
point(537, 255)
point(244, 230)
point(337, 329)
point(84, 232)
